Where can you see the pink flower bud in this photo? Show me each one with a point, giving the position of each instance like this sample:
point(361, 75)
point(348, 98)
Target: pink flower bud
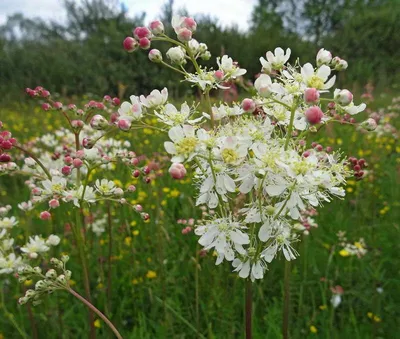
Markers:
point(77, 163)
point(314, 115)
point(80, 112)
point(184, 34)
point(45, 94)
point(311, 95)
point(6, 144)
point(147, 180)
point(134, 161)
point(36, 191)
point(45, 215)
point(319, 148)
point(66, 170)
point(116, 101)
point(77, 123)
point(248, 105)
point(190, 24)
point(141, 32)
point(58, 105)
point(177, 171)
point(306, 154)
point(136, 173)
point(54, 203)
point(344, 97)
point(157, 27)
point(369, 124)
point(145, 216)
point(114, 117)
point(328, 149)
point(155, 56)
point(98, 122)
point(87, 143)
point(46, 106)
point(144, 43)
point(124, 125)
point(138, 208)
point(130, 44)
point(4, 157)
point(219, 75)
point(132, 188)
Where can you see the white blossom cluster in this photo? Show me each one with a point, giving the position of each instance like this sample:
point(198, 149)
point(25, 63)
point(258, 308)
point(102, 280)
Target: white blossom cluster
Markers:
point(12, 259)
point(254, 167)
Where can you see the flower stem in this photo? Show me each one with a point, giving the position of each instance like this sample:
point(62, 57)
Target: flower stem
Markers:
point(109, 273)
point(95, 310)
point(36, 160)
point(207, 96)
point(290, 127)
point(81, 249)
point(286, 301)
point(249, 309)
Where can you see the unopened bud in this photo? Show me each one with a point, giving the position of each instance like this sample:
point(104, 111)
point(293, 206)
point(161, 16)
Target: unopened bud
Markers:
point(155, 56)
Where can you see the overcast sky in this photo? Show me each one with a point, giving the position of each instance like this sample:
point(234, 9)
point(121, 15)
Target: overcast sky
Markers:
point(227, 11)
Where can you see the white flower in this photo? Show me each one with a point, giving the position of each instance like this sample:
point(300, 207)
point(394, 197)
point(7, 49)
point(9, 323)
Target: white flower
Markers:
point(176, 55)
point(353, 109)
point(76, 195)
point(10, 263)
point(8, 222)
point(266, 66)
point(155, 99)
point(105, 187)
point(30, 162)
point(225, 235)
point(53, 240)
point(319, 78)
point(185, 143)
point(172, 117)
point(26, 206)
point(35, 245)
point(227, 66)
point(223, 111)
point(336, 300)
point(55, 186)
point(278, 59)
point(265, 87)
point(245, 268)
point(231, 151)
point(324, 57)
point(131, 110)
point(99, 226)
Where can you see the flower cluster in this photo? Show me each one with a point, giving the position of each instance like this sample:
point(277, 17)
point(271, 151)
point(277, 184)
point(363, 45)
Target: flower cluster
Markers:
point(258, 149)
point(12, 256)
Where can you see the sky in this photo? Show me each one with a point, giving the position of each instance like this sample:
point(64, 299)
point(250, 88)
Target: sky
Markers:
point(228, 12)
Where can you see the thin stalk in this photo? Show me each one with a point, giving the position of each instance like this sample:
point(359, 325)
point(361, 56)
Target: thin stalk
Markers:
point(286, 300)
point(82, 255)
point(249, 309)
point(173, 68)
point(197, 290)
point(290, 127)
point(11, 317)
point(33, 322)
point(36, 160)
point(95, 310)
point(109, 273)
point(207, 96)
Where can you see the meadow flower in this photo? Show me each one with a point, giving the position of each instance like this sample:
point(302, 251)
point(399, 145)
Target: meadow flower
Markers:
point(131, 111)
point(8, 222)
point(35, 246)
point(55, 186)
point(170, 116)
point(155, 98)
point(278, 59)
point(317, 79)
point(246, 267)
point(227, 66)
point(184, 143)
point(105, 187)
point(225, 235)
point(10, 263)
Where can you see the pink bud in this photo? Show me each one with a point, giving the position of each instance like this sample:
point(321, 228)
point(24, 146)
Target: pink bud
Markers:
point(46, 106)
point(45, 94)
point(54, 203)
point(87, 143)
point(184, 34)
point(71, 107)
point(80, 112)
point(124, 124)
point(77, 163)
point(134, 161)
point(132, 188)
point(130, 44)
point(136, 173)
point(144, 43)
point(311, 95)
point(57, 105)
point(248, 105)
point(66, 170)
point(314, 115)
point(138, 208)
point(114, 117)
point(190, 24)
point(344, 97)
point(219, 75)
point(319, 148)
point(141, 32)
point(116, 101)
point(328, 149)
point(177, 171)
point(45, 215)
point(145, 216)
point(306, 154)
point(36, 191)
point(5, 157)
point(77, 123)
point(157, 27)
point(98, 122)
point(80, 154)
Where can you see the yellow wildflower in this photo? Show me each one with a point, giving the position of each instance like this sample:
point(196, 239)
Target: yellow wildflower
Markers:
point(313, 329)
point(344, 253)
point(151, 275)
point(97, 323)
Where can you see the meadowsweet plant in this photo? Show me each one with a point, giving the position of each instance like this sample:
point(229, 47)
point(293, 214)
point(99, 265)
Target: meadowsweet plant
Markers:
point(255, 163)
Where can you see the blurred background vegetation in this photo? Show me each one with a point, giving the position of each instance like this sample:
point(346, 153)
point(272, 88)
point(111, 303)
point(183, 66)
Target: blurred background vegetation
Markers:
point(84, 54)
